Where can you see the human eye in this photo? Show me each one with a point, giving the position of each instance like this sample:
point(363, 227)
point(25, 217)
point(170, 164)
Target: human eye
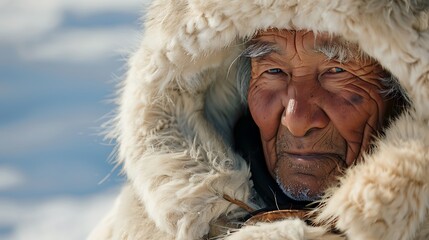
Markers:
point(274, 71)
point(336, 70)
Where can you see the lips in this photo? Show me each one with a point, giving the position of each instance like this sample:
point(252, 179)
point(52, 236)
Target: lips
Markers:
point(313, 163)
point(315, 156)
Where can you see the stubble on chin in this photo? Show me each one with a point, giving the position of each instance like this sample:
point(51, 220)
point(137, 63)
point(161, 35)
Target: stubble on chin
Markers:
point(306, 177)
point(296, 191)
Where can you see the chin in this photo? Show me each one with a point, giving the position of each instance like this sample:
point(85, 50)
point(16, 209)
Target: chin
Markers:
point(300, 189)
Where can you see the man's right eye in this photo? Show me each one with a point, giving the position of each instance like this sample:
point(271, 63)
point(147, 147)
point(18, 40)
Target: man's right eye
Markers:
point(274, 71)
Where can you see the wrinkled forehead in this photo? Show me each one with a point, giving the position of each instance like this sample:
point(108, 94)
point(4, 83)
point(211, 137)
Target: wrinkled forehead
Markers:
point(284, 41)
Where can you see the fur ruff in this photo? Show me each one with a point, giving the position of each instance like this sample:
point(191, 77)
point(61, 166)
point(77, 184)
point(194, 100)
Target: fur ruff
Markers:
point(179, 103)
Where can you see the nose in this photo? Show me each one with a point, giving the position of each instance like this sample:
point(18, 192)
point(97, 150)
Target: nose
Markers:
point(302, 114)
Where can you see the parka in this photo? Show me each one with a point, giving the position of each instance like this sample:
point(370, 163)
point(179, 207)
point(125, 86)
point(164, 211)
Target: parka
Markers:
point(179, 104)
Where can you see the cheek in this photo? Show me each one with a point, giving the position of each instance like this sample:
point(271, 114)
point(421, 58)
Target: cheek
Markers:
point(356, 117)
point(347, 117)
point(363, 105)
point(266, 109)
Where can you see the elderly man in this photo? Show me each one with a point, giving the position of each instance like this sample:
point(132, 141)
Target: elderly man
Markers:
point(317, 101)
point(318, 120)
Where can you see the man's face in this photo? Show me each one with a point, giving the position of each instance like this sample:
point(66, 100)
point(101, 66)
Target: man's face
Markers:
point(315, 114)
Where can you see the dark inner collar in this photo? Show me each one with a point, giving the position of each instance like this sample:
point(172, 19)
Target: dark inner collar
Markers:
point(248, 145)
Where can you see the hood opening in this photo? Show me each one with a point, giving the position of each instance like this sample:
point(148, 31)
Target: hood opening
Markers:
point(246, 137)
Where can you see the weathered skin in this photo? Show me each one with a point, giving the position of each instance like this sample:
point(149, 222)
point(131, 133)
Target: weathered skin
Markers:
point(316, 115)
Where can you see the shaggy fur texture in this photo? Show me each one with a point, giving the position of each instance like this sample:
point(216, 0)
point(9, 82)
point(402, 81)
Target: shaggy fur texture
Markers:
point(179, 103)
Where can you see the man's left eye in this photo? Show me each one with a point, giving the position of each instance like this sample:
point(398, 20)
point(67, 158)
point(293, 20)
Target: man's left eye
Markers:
point(336, 70)
point(274, 70)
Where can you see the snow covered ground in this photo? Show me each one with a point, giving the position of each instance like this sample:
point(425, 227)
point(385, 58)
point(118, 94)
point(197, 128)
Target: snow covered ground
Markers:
point(59, 63)
point(62, 217)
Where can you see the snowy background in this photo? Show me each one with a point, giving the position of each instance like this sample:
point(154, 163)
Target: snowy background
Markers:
point(59, 63)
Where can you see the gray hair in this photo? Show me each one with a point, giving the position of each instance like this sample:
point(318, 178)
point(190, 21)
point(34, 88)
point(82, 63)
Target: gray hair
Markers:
point(244, 69)
point(244, 72)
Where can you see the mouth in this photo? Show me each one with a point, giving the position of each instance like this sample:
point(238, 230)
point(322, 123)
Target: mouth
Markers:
point(314, 156)
point(308, 173)
point(310, 163)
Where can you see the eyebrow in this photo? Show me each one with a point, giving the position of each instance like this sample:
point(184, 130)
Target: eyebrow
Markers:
point(257, 49)
point(340, 50)
point(335, 49)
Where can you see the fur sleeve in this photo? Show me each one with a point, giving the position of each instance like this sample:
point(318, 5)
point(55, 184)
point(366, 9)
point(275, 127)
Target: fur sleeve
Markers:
point(387, 197)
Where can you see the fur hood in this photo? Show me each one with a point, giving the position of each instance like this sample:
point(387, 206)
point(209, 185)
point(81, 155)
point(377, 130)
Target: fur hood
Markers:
point(179, 103)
